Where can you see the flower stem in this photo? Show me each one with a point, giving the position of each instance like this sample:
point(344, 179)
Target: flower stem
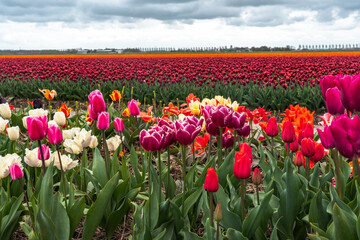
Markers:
point(209, 152)
point(257, 194)
point(307, 164)
point(220, 148)
point(183, 157)
point(62, 175)
point(338, 181)
point(235, 136)
point(356, 167)
point(168, 176)
point(107, 160)
point(149, 183)
point(242, 195)
point(160, 181)
point(193, 147)
point(27, 203)
point(211, 209)
point(217, 230)
point(42, 158)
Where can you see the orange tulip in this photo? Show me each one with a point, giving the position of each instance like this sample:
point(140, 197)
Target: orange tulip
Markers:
point(126, 113)
point(65, 110)
point(49, 95)
point(115, 95)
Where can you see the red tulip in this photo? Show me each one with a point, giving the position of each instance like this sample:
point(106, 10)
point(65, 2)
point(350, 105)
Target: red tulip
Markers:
point(272, 129)
point(246, 149)
point(299, 159)
point(288, 132)
point(256, 177)
point(103, 121)
point(37, 127)
point(211, 183)
point(54, 134)
point(242, 166)
point(308, 147)
point(15, 171)
point(119, 124)
point(319, 153)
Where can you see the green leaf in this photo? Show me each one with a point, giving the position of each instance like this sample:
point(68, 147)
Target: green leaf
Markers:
point(233, 234)
point(98, 168)
point(192, 199)
point(226, 168)
point(345, 224)
point(116, 217)
point(76, 213)
point(134, 165)
point(189, 235)
point(317, 212)
point(96, 211)
point(45, 226)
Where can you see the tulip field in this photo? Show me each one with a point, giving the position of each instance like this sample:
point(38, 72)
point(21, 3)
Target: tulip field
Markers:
point(273, 80)
point(209, 162)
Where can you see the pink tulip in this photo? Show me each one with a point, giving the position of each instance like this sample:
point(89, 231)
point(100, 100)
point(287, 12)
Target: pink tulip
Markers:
point(329, 82)
point(133, 107)
point(221, 116)
point(54, 134)
point(15, 171)
point(103, 121)
point(97, 101)
point(152, 140)
point(93, 115)
point(119, 124)
point(333, 101)
point(186, 132)
point(46, 151)
point(37, 127)
point(350, 97)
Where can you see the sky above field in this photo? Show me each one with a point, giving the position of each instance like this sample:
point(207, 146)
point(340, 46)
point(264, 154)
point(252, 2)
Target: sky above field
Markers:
point(62, 24)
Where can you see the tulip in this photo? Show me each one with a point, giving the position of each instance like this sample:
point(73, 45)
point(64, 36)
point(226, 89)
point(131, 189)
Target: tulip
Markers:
point(115, 95)
point(93, 142)
point(340, 132)
point(185, 132)
point(244, 131)
point(13, 133)
point(246, 149)
point(97, 101)
point(133, 107)
point(38, 112)
point(151, 140)
point(54, 134)
point(3, 125)
point(16, 171)
point(299, 159)
point(307, 132)
point(319, 153)
point(294, 146)
point(256, 177)
point(119, 124)
point(37, 127)
point(212, 128)
point(59, 118)
point(221, 116)
point(5, 111)
point(218, 212)
point(31, 158)
point(328, 82)
point(326, 137)
point(272, 129)
point(93, 115)
point(350, 97)
point(242, 166)
point(308, 147)
point(46, 152)
point(288, 132)
point(333, 101)
point(228, 140)
point(113, 143)
point(236, 121)
point(211, 183)
point(103, 121)
point(66, 162)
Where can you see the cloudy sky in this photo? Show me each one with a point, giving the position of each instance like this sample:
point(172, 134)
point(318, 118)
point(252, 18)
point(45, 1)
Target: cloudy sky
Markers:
point(61, 24)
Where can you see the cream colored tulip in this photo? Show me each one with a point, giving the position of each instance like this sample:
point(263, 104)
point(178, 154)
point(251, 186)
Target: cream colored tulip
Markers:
point(13, 133)
point(94, 142)
point(3, 124)
point(113, 143)
point(83, 138)
point(7, 161)
point(24, 122)
point(38, 112)
point(66, 161)
point(5, 111)
point(31, 158)
point(72, 146)
point(59, 118)
point(52, 123)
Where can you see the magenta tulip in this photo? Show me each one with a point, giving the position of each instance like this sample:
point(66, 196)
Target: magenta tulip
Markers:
point(326, 137)
point(244, 131)
point(37, 127)
point(339, 130)
point(211, 128)
point(228, 140)
point(151, 140)
point(221, 116)
point(333, 101)
point(97, 101)
point(186, 132)
point(350, 97)
point(103, 121)
point(288, 132)
point(119, 124)
point(54, 134)
point(329, 82)
point(15, 171)
point(236, 121)
point(93, 115)
point(46, 151)
point(133, 107)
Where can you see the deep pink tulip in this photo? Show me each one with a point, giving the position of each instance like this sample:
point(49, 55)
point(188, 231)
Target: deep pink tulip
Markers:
point(185, 132)
point(37, 127)
point(211, 128)
point(97, 101)
point(244, 131)
point(294, 146)
point(93, 115)
point(272, 129)
point(340, 131)
point(15, 171)
point(133, 107)
point(236, 121)
point(329, 82)
point(103, 121)
point(194, 121)
point(54, 134)
point(228, 140)
point(326, 137)
point(288, 132)
point(350, 97)
point(151, 140)
point(221, 116)
point(119, 124)
point(46, 151)
point(333, 101)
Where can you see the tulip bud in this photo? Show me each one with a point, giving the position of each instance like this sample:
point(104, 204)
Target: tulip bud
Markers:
point(211, 183)
point(228, 140)
point(133, 107)
point(37, 127)
point(13, 133)
point(103, 121)
point(246, 149)
point(333, 101)
point(218, 212)
point(256, 177)
point(307, 147)
point(54, 134)
point(242, 166)
point(288, 132)
point(46, 151)
point(299, 159)
point(93, 115)
point(272, 129)
point(119, 124)
point(15, 171)
point(5, 111)
point(59, 118)
point(308, 131)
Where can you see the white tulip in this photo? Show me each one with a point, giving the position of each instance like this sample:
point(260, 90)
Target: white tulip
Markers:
point(24, 122)
point(72, 146)
point(60, 118)
point(5, 111)
point(68, 134)
point(6, 162)
point(51, 123)
point(94, 142)
point(66, 162)
point(31, 158)
point(83, 138)
point(38, 112)
point(113, 143)
point(3, 124)
point(13, 133)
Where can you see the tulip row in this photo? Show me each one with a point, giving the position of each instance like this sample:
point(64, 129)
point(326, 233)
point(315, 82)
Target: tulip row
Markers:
point(302, 180)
